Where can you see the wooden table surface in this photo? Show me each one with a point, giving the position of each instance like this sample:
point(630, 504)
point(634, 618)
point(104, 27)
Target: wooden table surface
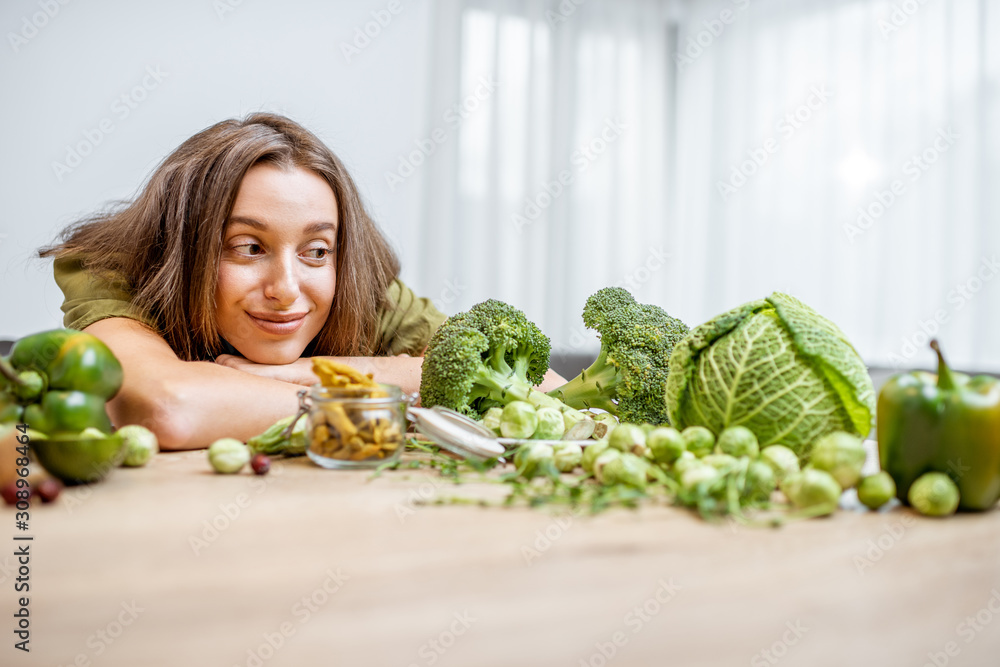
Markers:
point(174, 565)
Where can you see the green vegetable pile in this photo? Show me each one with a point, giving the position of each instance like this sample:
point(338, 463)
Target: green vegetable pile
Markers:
point(57, 383)
point(729, 477)
point(767, 396)
point(725, 478)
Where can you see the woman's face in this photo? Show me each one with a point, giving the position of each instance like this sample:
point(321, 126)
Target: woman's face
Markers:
point(278, 268)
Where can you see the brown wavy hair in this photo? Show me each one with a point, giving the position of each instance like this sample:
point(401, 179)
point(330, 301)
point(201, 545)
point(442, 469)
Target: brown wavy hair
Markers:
point(166, 243)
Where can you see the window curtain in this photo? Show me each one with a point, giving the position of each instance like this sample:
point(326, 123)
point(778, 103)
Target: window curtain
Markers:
point(706, 153)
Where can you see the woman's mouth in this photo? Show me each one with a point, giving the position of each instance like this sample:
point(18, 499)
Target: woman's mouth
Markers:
point(278, 323)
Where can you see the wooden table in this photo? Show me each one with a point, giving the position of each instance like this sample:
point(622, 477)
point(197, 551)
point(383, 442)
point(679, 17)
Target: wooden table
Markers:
point(174, 565)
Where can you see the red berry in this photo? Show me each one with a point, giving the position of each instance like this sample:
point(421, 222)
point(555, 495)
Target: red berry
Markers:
point(260, 464)
point(48, 490)
point(9, 492)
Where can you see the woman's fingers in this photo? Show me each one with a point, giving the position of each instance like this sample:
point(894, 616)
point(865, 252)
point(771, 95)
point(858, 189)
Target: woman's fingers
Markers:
point(226, 360)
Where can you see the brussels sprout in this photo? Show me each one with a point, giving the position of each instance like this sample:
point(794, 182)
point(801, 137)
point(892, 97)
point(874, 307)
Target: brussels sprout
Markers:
point(590, 454)
point(568, 456)
point(228, 455)
point(685, 461)
point(812, 489)
point(840, 454)
point(533, 459)
point(783, 461)
point(934, 494)
point(578, 426)
point(628, 438)
point(719, 461)
point(606, 423)
point(491, 419)
point(876, 490)
point(518, 420)
point(739, 441)
point(665, 444)
point(697, 474)
point(626, 469)
point(140, 445)
point(550, 424)
point(604, 458)
point(698, 440)
point(760, 481)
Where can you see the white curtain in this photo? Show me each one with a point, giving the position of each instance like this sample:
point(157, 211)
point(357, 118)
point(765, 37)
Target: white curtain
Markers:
point(706, 153)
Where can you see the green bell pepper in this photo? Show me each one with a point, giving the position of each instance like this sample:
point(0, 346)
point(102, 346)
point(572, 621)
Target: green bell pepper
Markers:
point(61, 379)
point(10, 410)
point(70, 360)
point(65, 412)
point(946, 423)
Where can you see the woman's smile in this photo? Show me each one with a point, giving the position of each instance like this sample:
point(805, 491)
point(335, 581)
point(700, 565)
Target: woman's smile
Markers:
point(279, 324)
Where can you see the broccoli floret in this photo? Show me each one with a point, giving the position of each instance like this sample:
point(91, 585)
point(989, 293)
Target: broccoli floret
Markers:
point(487, 356)
point(629, 376)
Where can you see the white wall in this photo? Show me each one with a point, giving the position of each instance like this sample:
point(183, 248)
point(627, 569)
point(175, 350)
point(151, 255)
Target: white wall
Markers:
point(225, 58)
point(219, 59)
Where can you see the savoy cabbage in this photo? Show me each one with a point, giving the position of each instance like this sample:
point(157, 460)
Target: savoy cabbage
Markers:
point(775, 366)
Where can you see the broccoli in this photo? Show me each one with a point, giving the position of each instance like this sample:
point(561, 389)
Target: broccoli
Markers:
point(487, 356)
point(629, 376)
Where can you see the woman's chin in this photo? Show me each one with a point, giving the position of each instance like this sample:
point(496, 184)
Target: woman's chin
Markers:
point(280, 355)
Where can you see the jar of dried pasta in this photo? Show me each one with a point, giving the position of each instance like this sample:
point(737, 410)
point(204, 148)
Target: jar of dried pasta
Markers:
point(355, 427)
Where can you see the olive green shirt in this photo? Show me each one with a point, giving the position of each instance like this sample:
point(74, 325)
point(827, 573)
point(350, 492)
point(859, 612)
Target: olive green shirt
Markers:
point(406, 324)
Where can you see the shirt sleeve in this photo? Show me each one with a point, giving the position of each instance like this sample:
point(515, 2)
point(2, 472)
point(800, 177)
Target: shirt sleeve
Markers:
point(88, 298)
point(408, 322)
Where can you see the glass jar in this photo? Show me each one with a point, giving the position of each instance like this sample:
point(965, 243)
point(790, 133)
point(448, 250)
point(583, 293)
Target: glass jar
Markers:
point(348, 428)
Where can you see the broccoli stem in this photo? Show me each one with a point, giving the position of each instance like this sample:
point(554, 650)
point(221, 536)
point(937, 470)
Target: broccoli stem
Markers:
point(506, 388)
point(589, 389)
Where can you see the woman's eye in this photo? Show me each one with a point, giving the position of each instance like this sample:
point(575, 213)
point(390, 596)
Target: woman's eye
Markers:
point(318, 253)
point(249, 249)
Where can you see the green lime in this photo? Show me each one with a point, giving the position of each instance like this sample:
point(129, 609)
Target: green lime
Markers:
point(876, 490)
point(934, 494)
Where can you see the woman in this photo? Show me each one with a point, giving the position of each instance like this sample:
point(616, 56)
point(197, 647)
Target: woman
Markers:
point(247, 252)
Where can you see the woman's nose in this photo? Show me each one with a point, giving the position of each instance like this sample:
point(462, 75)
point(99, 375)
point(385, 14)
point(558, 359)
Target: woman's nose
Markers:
point(282, 280)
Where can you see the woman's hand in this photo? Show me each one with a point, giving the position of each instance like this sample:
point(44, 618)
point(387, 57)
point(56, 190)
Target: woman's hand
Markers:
point(297, 372)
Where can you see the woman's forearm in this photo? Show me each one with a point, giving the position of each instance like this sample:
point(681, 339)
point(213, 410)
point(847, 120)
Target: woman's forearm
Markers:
point(187, 404)
point(205, 402)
